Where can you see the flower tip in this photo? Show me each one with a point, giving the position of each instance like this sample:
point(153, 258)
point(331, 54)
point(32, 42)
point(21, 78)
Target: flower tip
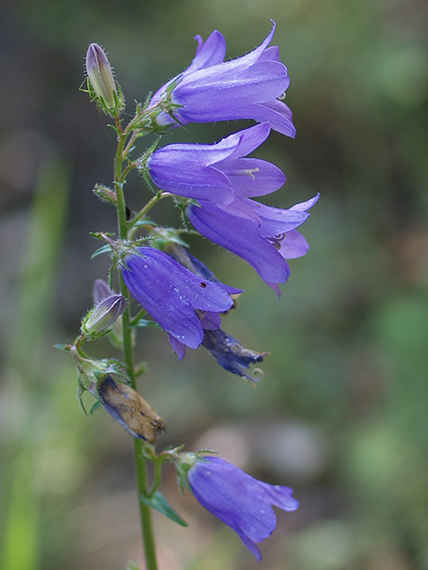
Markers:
point(95, 57)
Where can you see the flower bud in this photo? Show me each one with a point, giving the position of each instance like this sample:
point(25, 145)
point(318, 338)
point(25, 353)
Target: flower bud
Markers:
point(104, 315)
point(101, 77)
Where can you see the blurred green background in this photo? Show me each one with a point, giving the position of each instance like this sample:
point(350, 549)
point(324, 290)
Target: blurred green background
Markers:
point(341, 414)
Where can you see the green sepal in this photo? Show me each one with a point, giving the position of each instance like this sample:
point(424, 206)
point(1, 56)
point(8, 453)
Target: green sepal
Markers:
point(145, 222)
point(105, 194)
point(94, 406)
point(166, 236)
point(158, 502)
point(103, 249)
point(65, 347)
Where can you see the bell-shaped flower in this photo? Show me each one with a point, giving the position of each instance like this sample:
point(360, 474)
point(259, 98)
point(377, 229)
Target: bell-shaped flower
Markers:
point(172, 294)
point(255, 232)
point(244, 88)
point(219, 172)
point(239, 500)
point(210, 321)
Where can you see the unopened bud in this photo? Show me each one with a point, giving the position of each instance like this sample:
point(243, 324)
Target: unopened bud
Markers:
point(105, 194)
point(104, 315)
point(101, 77)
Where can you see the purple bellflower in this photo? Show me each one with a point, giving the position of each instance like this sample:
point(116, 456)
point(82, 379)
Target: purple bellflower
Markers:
point(216, 173)
point(174, 296)
point(228, 350)
point(244, 88)
point(239, 500)
point(262, 235)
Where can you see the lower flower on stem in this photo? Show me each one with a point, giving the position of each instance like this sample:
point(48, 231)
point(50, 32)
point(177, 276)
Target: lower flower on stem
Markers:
point(239, 500)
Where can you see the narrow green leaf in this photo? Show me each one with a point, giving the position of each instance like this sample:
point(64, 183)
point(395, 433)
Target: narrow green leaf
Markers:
point(99, 251)
point(143, 323)
point(160, 504)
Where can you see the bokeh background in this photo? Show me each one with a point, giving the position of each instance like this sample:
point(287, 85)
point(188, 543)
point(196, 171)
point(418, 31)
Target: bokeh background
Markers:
point(341, 414)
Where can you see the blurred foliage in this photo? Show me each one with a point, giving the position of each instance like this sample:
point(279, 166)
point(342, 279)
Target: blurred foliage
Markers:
point(340, 414)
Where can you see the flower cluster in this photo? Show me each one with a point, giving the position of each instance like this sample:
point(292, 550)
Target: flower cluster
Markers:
point(219, 182)
point(218, 189)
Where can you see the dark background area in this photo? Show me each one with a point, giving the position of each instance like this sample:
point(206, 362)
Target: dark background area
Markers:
point(341, 412)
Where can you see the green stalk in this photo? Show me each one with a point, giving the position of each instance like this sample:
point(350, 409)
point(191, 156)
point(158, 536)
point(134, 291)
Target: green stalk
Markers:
point(140, 462)
point(148, 206)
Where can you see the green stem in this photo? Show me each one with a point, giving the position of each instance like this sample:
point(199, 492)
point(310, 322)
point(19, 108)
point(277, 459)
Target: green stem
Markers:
point(148, 206)
point(145, 511)
point(157, 477)
point(137, 317)
point(140, 462)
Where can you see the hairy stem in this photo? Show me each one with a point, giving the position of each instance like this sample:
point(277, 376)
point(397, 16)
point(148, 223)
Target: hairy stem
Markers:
point(140, 462)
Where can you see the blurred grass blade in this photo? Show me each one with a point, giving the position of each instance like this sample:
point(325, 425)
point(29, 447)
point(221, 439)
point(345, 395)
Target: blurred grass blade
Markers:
point(27, 367)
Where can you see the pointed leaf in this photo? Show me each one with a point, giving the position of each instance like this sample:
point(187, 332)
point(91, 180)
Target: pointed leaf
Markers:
point(158, 502)
point(99, 251)
point(143, 323)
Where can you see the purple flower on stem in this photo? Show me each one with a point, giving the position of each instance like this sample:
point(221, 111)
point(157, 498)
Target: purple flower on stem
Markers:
point(244, 88)
point(217, 173)
point(262, 235)
point(239, 500)
point(172, 294)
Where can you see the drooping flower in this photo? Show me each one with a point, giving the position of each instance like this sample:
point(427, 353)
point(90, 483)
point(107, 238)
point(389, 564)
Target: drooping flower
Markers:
point(262, 235)
point(228, 350)
point(216, 173)
point(239, 500)
point(244, 88)
point(129, 409)
point(172, 294)
point(230, 353)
